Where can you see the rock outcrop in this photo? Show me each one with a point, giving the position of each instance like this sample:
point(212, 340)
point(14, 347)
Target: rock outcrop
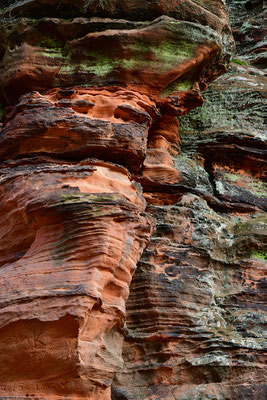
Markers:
point(196, 314)
point(110, 193)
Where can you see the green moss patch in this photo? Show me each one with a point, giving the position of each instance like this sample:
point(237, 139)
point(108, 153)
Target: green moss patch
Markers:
point(177, 86)
point(255, 186)
point(259, 255)
point(173, 53)
point(98, 63)
point(239, 62)
point(164, 55)
point(54, 48)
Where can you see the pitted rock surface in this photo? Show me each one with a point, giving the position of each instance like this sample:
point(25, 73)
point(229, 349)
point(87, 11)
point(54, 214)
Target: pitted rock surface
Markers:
point(132, 200)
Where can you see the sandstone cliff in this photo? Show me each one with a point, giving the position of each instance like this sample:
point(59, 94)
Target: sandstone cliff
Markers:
point(132, 216)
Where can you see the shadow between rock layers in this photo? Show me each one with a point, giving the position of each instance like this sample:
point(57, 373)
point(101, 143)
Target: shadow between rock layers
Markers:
point(91, 160)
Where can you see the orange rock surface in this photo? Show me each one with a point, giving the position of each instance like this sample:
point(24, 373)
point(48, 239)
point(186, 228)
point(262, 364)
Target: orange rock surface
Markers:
point(80, 230)
point(131, 227)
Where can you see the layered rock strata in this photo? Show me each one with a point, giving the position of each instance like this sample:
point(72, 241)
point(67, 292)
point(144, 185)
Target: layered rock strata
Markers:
point(92, 160)
point(79, 230)
point(73, 229)
point(196, 313)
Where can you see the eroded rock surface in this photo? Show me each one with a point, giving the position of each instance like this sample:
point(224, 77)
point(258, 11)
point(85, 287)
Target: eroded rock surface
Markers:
point(196, 314)
point(169, 50)
point(103, 173)
point(79, 230)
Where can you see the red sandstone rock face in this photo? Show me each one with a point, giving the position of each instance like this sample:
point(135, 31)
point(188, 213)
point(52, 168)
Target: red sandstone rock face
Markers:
point(212, 13)
point(98, 181)
point(196, 313)
point(77, 123)
point(156, 57)
point(79, 231)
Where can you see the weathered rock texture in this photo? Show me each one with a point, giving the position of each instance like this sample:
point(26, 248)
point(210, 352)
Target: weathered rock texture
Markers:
point(195, 315)
point(97, 181)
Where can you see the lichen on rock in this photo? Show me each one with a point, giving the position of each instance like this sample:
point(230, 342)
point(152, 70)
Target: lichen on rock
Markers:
point(132, 233)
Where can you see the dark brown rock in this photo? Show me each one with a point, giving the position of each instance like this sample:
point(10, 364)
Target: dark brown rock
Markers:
point(107, 124)
point(110, 163)
point(157, 57)
point(196, 311)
